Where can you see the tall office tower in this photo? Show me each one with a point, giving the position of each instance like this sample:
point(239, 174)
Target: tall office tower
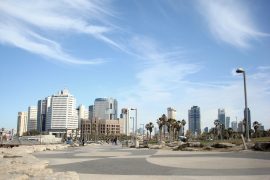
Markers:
point(82, 114)
point(171, 112)
point(22, 123)
point(221, 116)
point(62, 113)
point(194, 120)
point(240, 127)
point(91, 112)
point(249, 118)
point(32, 118)
point(48, 113)
point(227, 123)
point(41, 115)
point(234, 126)
point(105, 108)
point(124, 116)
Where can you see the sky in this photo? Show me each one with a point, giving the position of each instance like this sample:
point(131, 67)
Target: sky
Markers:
point(148, 55)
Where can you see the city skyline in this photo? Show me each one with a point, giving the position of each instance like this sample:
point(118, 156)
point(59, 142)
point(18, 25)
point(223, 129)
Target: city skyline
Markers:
point(148, 55)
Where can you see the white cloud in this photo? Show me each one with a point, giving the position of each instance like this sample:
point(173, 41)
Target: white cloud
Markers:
point(24, 23)
point(230, 21)
point(164, 80)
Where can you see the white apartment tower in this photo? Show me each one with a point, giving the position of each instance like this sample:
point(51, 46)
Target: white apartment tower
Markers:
point(105, 108)
point(61, 113)
point(82, 113)
point(124, 116)
point(171, 112)
point(32, 118)
point(22, 123)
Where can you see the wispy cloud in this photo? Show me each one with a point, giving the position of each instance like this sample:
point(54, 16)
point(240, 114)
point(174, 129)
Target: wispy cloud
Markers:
point(28, 25)
point(164, 79)
point(162, 68)
point(160, 75)
point(230, 21)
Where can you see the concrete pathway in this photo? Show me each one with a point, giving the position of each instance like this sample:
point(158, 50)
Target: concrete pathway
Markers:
point(114, 162)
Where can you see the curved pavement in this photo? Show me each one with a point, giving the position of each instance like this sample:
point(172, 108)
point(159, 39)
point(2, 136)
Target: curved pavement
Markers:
point(115, 162)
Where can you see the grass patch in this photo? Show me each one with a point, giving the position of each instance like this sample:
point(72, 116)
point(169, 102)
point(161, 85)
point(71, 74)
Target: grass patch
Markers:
point(261, 139)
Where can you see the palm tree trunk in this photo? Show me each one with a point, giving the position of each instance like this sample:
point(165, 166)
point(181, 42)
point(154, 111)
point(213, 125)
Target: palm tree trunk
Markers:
point(160, 131)
point(164, 132)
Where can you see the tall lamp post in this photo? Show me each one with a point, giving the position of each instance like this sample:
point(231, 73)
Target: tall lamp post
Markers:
point(241, 70)
point(135, 109)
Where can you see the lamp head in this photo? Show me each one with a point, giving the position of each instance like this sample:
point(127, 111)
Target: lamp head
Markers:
point(240, 70)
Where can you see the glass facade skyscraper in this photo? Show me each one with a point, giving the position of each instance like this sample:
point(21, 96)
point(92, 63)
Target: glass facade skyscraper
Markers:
point(194, 120)
point(105, 108)
point(221, 116)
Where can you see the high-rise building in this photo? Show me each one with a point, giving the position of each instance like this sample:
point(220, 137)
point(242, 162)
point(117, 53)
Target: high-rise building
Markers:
point(194, 120)
point(82, 114)
point(171, 113)
point(234, 126)
point(124, 116)
point(105, 108)
point(249, 117)
point(48, 113)
point(91, 112)
point(221, 116)
point(62, 115)
point(32, 118)
point(240, 127)
point(41, 115)
point(22, 123)
point(227, 123)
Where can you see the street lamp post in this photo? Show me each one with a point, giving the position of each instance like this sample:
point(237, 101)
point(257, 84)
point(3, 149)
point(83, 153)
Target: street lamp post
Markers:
point(135, 109)
point(240, 70)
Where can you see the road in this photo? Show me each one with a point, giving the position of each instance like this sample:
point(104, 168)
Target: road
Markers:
point(115, 162)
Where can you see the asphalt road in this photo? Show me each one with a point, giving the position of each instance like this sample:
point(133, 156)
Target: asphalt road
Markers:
point(115, 162)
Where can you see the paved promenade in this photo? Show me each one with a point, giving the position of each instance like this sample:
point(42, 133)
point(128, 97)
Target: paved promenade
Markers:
point(114, 162)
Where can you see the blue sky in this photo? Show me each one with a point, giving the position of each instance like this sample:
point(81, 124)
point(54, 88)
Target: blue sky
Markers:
point(146, 54)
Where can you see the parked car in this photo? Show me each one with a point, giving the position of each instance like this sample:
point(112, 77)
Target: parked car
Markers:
point(182, 138)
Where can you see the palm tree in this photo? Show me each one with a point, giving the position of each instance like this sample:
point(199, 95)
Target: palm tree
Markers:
point(256, 126)
point(151, 126)
point(183, 122)
point(147, 128)
point(170, 123)
point(230, 132)
point(177, 126)
point(162, 123)
point(218, 128)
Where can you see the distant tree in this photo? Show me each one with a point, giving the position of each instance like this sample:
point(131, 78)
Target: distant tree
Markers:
point(151, 126)
point(147, 129)
point(170, 123)
point(183, 123)
point(230, 132)
point(162, 123)
point(256, 126)
point(177, 127)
